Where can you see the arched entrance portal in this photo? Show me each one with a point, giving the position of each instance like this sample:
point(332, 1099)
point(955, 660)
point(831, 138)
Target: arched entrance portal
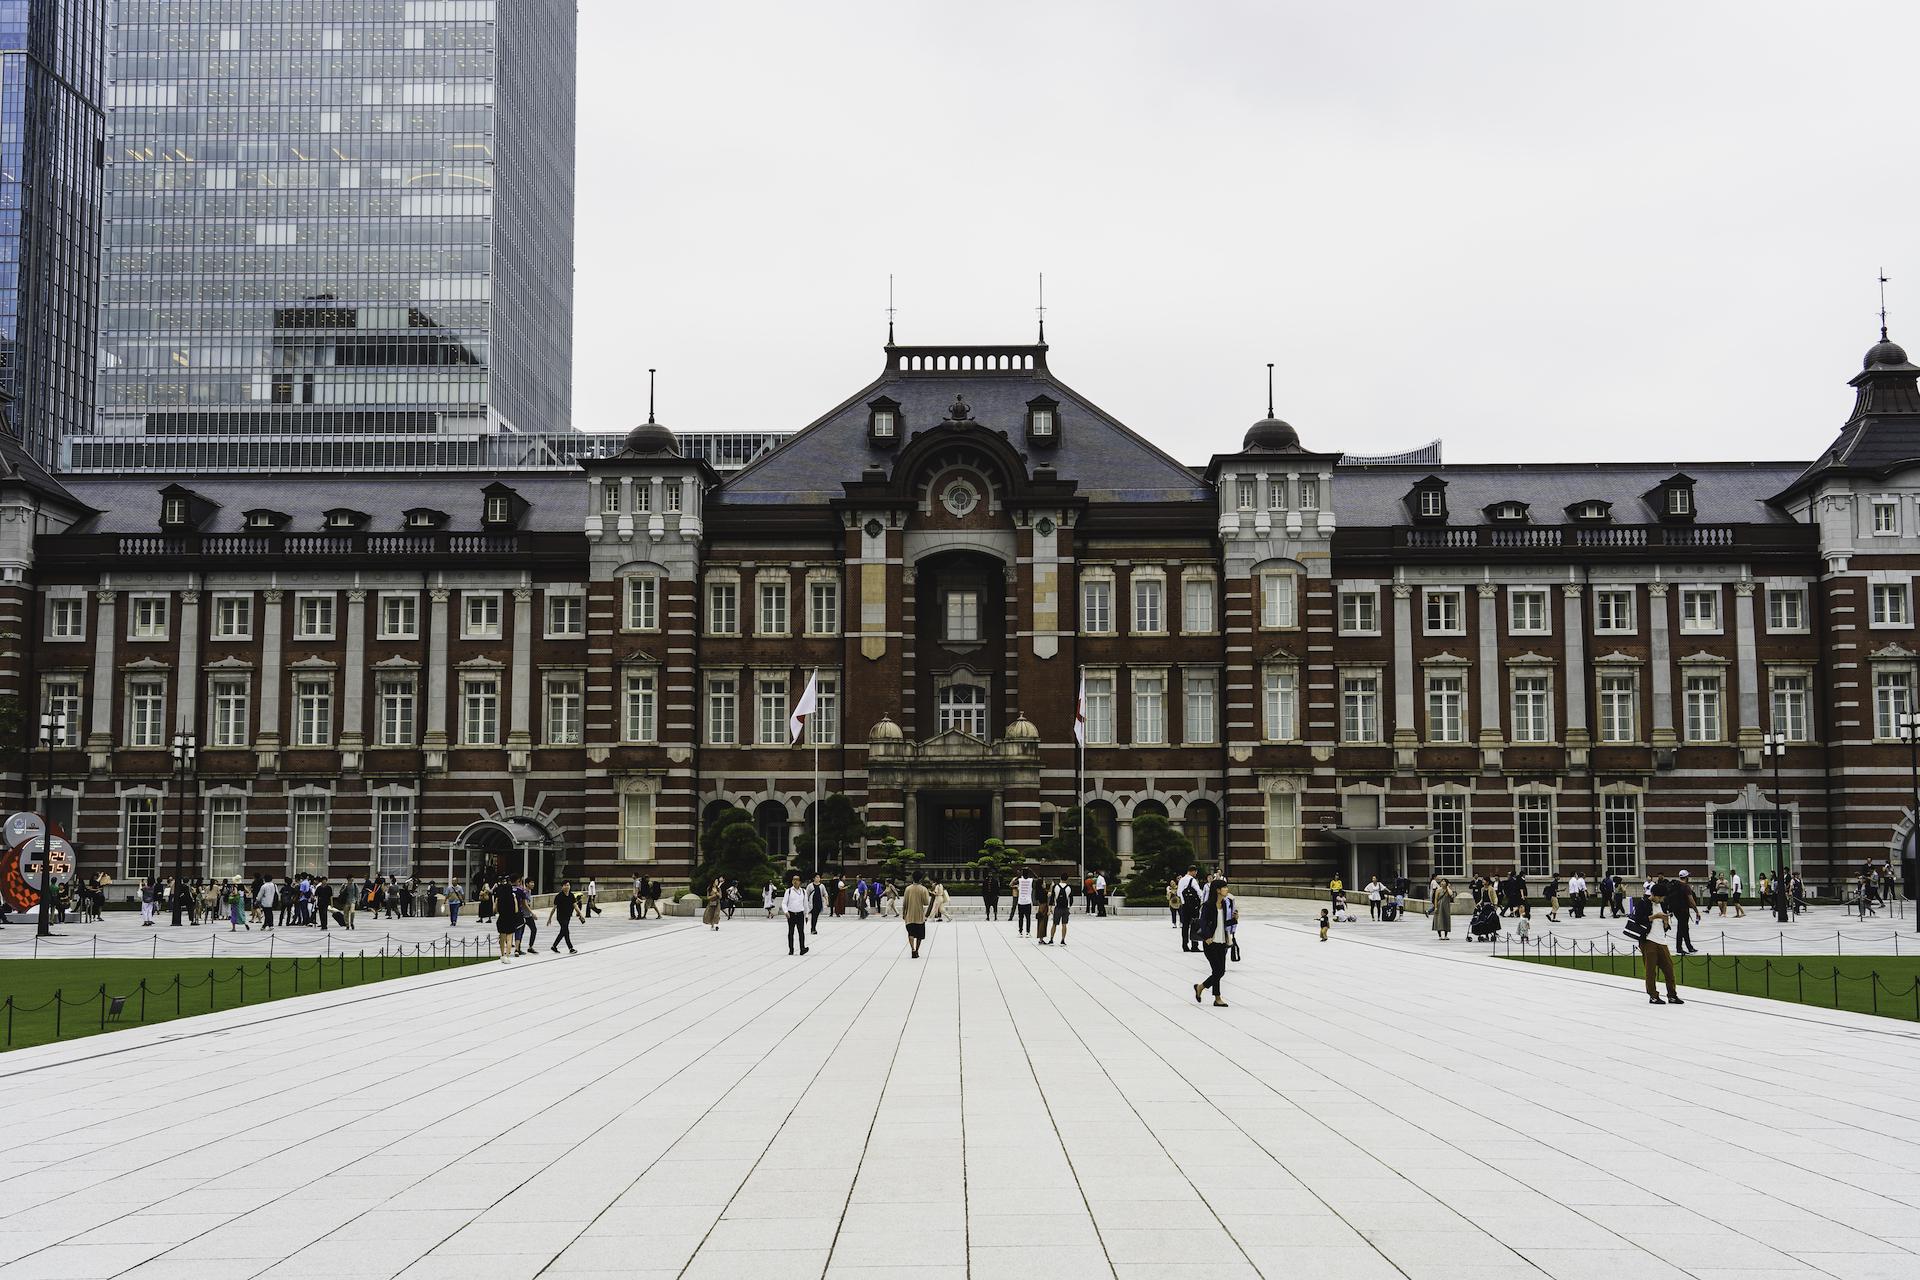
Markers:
point(509, 845)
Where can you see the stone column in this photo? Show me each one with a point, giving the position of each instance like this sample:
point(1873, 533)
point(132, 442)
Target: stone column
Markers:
point(520, 722)
point(353, 682)
point(266, 745)
point(1406, 738)
point(1746, 654)
point(187, 705)
point(435, 676)
point(1661, 663)
point(1489, 641)
point(100, 731)
point(1574, 626)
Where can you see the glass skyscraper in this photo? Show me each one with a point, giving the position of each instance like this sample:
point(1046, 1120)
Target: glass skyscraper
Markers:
point(51, 129)
point(349, 217)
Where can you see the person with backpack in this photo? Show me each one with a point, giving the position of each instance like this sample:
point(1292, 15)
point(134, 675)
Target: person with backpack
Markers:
point(1189, 891)
point(1643, 911)
point(1215, 930)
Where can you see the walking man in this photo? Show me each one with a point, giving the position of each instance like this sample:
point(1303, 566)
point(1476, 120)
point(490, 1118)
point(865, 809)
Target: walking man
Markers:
point(1654, 955)
point(1685, 907)
point(1577, 890)
point(1100, 892)
point(1023, 902)
point(1189, 891)
point(794, 903)
point(593, 899)
point(564, 907)
point(817, 902)
point(913, 913)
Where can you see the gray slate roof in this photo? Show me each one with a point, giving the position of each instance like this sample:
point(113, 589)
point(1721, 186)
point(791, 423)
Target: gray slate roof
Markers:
point(1110, 462)
point(1724, 492)
point(131, 504)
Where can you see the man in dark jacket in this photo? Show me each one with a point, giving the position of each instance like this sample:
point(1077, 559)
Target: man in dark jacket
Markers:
point(1684, 907)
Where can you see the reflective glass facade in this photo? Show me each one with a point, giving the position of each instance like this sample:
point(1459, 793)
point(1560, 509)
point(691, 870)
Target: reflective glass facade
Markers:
point(51, 128)
point(339, 216)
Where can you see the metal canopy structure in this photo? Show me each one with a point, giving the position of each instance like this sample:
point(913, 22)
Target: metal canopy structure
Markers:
point(500, 842)
point(1390, 842)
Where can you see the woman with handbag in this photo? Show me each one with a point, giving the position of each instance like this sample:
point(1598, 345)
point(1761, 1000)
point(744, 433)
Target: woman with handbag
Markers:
point(1217, 920)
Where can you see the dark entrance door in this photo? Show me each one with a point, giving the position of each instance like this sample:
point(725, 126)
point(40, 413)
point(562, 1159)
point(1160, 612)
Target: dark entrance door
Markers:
point(953, 827)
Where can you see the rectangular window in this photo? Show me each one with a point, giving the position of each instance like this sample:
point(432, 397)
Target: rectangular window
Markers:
point(723, 608)
point(1200, 704)
point(309, 834)
point(1447, 819)
point(1700, 609)
point(671, 496)
point(1279, 691)
point(643, 603)
point(1790, 707)
point(399, 616)
point(480, 711)
point(1279, 601)
point(566, 616)
point(1096, 606)
point(636, 826)
point(147, 712)
point(66, 618)
point(396, 711)
point(1786, 609)
point(1892, 700)
point(61, 701)
point(1196, 606)
point(771, 619)
point(823, 608)
point(962, 617)
point(1445, 612)
point(566, 701)
point(1703, 708)
point(1245, 490)
point(233, 617)
point(1886, 518)
point(1620, 834)
point(1619, 702)
point(313, 617)
point(1613, 611)
point(723, 711)
point(230, 696)
point(1527, 613)
point(1533, 833)
point(1099, 710)
point(610, 499)
point(1433, 503)
point(1446, 708)
point(1149, 708)
point(1532, 708)
point(1360, 709)
point(1149, 605)
point(140, 837)
point(1359, 613)
point(480, 616)
point(313, 711)
point(640, 708)
point(226, 837)
point(823, 726)
point(771, 703)
point(1309, 493)
point(963, 706)
point(1283, 826)
point(1889, 604)
point(394, 835)
point(148, 618)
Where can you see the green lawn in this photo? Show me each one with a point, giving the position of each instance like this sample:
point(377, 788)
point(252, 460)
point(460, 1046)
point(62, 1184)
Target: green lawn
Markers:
point(1831, 982)
point(172, 988)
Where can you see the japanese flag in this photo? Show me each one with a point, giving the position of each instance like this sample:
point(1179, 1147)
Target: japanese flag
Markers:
point(1080, 713)
point(808, 704)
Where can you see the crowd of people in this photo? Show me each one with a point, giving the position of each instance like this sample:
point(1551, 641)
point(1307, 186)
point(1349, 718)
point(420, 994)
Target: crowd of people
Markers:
point(308, 900)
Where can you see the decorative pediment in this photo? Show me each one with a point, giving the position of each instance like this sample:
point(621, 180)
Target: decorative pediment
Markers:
point(481, 664)
point(146, 664)
point(1445, 659)
point(230, 664)
point(312, 662)
point(1704, 659)
point(396, 663)
point(1280, 655)
point(1530, 659)
point(1618, 659)
point(1894, 650)
point(639, 658)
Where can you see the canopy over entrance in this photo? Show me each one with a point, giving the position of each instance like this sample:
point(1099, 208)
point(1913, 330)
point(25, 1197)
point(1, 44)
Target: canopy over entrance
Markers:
point(510, 845)
point(1380, 851)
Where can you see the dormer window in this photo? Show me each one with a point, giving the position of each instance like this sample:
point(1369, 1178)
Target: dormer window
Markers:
point(1508, 512)
point(499, 510)
point(259, 520)
point(1590, 512)
point(424, 518)
point(883, 423)
point(1433, 503)
point(182, 508)
point(173, 512)
point(1043, 422)
point(1427, 500)
point(342, 518)
point(501, 507)
point(1673, 499)
point(1679, 502)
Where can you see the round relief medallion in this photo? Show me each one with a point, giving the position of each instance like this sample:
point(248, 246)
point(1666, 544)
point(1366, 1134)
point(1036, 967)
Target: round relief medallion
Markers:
point(960, 498)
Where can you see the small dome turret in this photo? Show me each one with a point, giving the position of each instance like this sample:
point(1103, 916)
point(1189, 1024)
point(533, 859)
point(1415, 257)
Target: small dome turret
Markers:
point(651, 439)
point(885, 731)
point(1885, 354)
point(1270, 434)
point(1022, 730)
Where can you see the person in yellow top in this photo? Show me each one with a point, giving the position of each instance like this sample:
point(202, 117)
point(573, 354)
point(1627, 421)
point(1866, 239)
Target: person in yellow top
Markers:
point(1334, 890)
point(913, 911)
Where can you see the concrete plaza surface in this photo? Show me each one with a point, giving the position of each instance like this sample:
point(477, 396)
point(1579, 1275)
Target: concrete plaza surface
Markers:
point(676, 1102)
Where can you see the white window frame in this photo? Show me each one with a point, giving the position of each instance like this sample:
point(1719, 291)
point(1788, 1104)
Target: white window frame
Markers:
point(1096, 604)
point(399, 606)
point(69, 701)
point(639, 825)
point(1703, 702)
point(1281, 826)
point(773, 605)
point(1436, 603)
point(1523, 730)
point(147, 711)
point(772, 706)
point(722, 606)
point(558, 689)
point(149, 616)
point(1279, 599)
point(1778, 623)
point(397, 706)
point(1446, 696)
point(823, 605)
point(1279, 703)
point(1604, 601)
point(1785, 687)
point(229, 714)
point(66, 618)
point(1147, 722)
point(1441, 806)
point(313, 732)
point(1196, 588)
point(823, 726)
point(238, 627)
point(565, 615)
point(1147, 601)
point(314, 615)
point(1200, 707)
point(225, 853)
point(969, 714)
point(1534, 823)
point(721, 693)
point(1607, 702)
point(1622, 839)
point(971, 606)
point(1885, 519)
point(1520, 602)
point(1101, 709)
point(1433, 503)
point(1700, 610)
point(1892, 698)
point(640, 602)
point(140, 855)
point(393, 834)
point(482, 615)
point(480, 709)
point(1889, 605)
point(640, 707)
point(309, 818)
point(1359, 611)
point(1360, 707)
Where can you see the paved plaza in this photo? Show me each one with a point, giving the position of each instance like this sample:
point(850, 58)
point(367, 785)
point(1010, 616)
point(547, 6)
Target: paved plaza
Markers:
point(676, 1102)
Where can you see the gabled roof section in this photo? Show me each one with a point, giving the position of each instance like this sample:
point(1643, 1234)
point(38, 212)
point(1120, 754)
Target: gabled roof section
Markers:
point(1883, 432)
point(1109, 461)
point(1723, 492)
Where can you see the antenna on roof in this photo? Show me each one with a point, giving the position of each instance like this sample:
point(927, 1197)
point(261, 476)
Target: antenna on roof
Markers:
point(650, 374)
point(890, 308)
point(1883, 304)
point(1041, 310)
point(1269, 388)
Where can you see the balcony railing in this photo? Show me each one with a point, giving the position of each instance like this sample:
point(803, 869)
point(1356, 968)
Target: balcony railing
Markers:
point(316, 546)
point(1571, 541)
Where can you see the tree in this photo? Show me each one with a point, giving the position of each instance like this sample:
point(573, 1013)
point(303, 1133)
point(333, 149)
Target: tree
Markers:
point(1065, 846)
point(841, 827)
point(896, 861)
point(1000, 859)
point(731, 846)
point(1161, 853)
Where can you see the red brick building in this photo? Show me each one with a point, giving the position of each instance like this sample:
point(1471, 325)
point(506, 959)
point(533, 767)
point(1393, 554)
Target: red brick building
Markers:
point(1309, 664)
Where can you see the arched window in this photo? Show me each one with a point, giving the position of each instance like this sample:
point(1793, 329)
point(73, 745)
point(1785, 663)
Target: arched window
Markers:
point(1202, 825)
point(1101, 817)
point(964, 707)
point(770, 820)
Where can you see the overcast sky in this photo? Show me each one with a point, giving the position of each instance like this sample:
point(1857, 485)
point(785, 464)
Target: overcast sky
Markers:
point(1535, 230)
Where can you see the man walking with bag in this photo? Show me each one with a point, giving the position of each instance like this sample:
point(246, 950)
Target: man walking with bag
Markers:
point(794, 903)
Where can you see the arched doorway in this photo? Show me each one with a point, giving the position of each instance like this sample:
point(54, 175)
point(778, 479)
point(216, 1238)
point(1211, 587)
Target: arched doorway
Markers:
point(770, 820)
point(1202, 826)
point(508, 845)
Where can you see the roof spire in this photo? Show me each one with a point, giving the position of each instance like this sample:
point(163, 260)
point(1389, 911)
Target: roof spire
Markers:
point(1269, 388)
point(1041, 310)
point(1883, 304)
point(650, 374)
point(890, 308)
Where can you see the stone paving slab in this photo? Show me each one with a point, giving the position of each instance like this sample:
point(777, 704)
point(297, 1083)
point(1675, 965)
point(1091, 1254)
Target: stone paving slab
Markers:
point(679, 1102)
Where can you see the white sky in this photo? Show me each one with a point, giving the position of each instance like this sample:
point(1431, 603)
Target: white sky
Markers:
point(1543, 230)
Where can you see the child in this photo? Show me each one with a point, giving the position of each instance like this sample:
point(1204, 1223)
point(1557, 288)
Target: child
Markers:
point(1324, 924)
point(1526, 914)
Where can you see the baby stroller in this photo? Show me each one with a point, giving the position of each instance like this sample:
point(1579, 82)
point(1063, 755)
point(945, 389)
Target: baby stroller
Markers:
point(1389, 909)
point(1485, 923)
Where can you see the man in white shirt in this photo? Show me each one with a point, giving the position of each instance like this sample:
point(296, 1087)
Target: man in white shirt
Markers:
point(265, 899)
point(1733, 887)
point(1373, 890)
point(795, 902)
point(1189, 890)
point(593, 898)
point(1577, 890)
point(1023, 902)
point(1100, 891)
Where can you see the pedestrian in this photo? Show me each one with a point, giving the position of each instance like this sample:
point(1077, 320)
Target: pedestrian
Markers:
point(732, 902)
point(1100, 893)
point(816, 903)
point(149, 894)
point(890, 900)
point(454, 899)
point(860, 892)
point(1717, 893)
point(1173, 902)
point(263, 897)
point(653, 901)
point(1526, 920)
point(1373, 896)
point(990, 895)
point(1042, 903)
point(794, 903)
point(1325, 924)
point(593, 899)
point(939, 900)
point(1654, 956)
point(716, 894)
point(323, 899)
point(1062, 908)
point(768, 896)
point(236, 908)
point(1552, 894)
point(637, 902)
point(1442, 909)
point(564, 907)
point(176, 900)
point(1189, 891)
point(1216, 935)
point(1023, 902)
point(506, 913)
point(1334, 889)
point(1682, 904)
point(913, 913)
point(1577, 893)
point(1733, 895)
